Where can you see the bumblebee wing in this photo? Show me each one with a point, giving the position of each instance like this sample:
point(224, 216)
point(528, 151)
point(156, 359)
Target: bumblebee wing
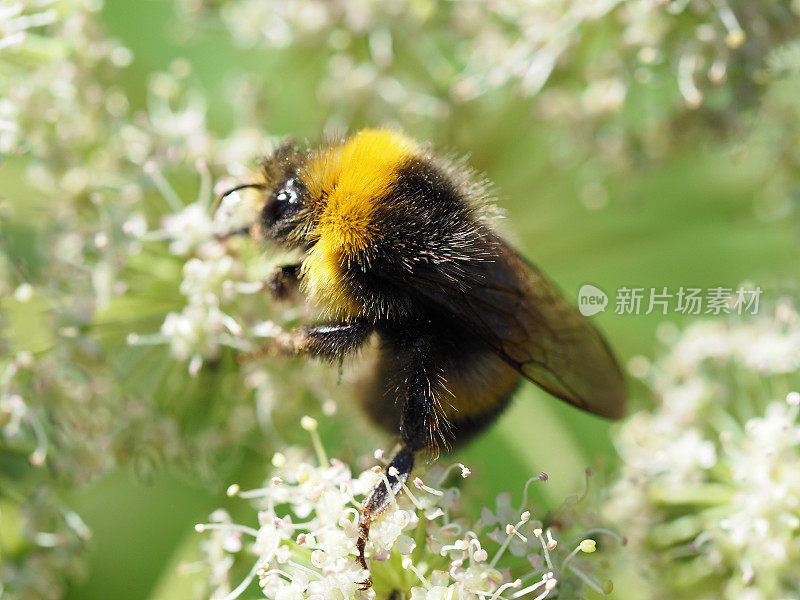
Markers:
point(522, 316)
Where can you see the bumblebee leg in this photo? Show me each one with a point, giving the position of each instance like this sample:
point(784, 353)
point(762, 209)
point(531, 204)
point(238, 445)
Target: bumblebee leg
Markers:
point(417, 430)
point(284, 281)
point(378, 500)
point(332, 341)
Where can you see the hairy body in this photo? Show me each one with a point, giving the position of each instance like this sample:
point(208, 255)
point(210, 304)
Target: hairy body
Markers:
point(397, 243)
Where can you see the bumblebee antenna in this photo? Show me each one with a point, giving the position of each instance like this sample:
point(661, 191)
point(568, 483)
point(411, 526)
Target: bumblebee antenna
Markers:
point(243, 186)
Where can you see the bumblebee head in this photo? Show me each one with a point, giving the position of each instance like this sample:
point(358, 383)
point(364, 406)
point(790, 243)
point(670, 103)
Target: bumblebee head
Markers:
point(335, 193)
point(276, 208)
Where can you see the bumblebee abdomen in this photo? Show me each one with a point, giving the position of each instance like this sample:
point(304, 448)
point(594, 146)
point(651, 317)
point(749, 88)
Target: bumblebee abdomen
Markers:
point(473, 385)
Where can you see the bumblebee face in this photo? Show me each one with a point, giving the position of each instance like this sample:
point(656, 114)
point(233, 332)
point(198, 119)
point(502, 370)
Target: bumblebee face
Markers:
point(284, 205)
point(279, 212)
point(284, 214)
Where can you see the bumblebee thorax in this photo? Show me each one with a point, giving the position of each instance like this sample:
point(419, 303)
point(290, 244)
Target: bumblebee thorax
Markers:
point(349, 183)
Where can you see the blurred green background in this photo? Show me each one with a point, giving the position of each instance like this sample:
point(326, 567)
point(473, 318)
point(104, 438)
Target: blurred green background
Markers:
point(685, 217)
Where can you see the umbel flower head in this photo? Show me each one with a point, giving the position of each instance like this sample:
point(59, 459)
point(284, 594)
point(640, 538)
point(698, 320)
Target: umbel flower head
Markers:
point(422, 548)
point(710, 482)
point(687, 50)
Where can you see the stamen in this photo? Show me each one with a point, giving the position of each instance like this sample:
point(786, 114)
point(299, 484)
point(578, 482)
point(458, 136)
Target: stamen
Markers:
point(310, 425)
point(686, 68)
point(167, 191)
point(588, 580)
point(408, 564)
point(538, 533)
point(465, 472)
point(588, 546)
point(154, 339)
point(531, 588)
point(457, 545)
point(389, 489)
point(793, 400)
point(411, 496)
point(195, 364)
point(587, 473)
point(540, 477)
point(47, 540)
point(316, 574)
point(259, 492)
point(204, 195)
point(513, 584)
point(418, 483)
point(231, 325)
point(13, 40)
point(736, 35)
point(479, 555)
point(263, 574)
point(187, 568)
point(202, 527)
point(39, 454)
point(239, 589)
point(551, 543)
point(77, 524)
point(549, 586)
point(354, 512)
point(511, 530)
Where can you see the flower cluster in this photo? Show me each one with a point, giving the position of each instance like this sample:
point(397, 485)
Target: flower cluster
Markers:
point(76, 263)
point(774, 136)
point(421, 548)
point(712, 477)
point(40, 88)
point(211, 276)
point(32, 394)
point(103, 256)
point(424, 58)
point(19, 423)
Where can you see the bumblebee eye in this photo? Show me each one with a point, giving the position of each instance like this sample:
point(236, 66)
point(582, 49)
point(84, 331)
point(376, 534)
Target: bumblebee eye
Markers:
point(285, 200)
point(287, 194)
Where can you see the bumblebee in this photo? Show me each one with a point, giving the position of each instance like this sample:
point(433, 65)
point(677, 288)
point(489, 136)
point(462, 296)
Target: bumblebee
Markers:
point(398, 243)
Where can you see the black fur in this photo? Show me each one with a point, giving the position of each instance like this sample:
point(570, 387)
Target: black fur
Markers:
point(337, 340)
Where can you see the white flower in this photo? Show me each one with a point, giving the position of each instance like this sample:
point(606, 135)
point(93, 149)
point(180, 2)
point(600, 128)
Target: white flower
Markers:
point(13, 410)
point(714, 472)
point(305, 543)
point(188, 228)
point(204, 279)
point(195, 331)
point(472, 48)
point(770, 350)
